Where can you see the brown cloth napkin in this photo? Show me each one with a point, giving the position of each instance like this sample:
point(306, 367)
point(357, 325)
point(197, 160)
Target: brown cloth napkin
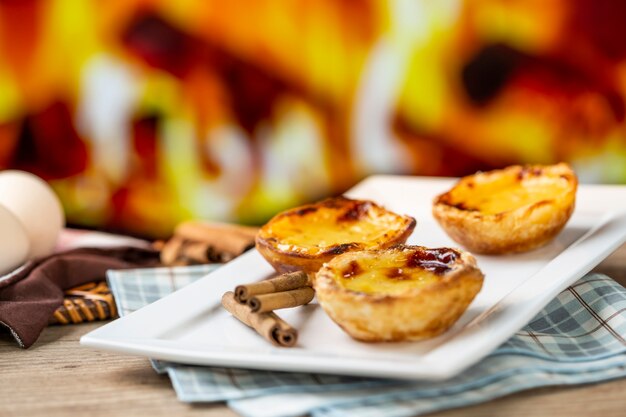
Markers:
point(30, 294)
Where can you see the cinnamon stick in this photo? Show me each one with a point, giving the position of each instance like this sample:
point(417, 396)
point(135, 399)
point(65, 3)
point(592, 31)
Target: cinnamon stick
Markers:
point(268, 325)
point(224, 237)
point(285, 282)
point(171, 250)
point(284, 299)
point(198, 253)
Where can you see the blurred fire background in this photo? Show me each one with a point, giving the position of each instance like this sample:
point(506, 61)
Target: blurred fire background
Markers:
point(142, 113)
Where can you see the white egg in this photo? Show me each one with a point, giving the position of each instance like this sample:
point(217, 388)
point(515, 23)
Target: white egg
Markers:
point(14, 245)
point(36, 206)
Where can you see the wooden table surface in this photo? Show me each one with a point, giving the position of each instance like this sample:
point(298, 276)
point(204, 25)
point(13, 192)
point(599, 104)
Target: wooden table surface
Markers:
point(57, 377)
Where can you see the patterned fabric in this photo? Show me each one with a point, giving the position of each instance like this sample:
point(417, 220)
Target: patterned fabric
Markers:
point(578, 338)
point(586, 321)
point(136, 288)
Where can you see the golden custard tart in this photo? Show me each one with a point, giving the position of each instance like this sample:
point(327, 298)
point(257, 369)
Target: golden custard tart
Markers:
point(515, 209)
point(304, 238)
point(398, 294)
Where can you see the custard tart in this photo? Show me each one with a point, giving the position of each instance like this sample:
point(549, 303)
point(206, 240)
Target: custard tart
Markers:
point(398, 294)
point(304, 238)
point(515, 209)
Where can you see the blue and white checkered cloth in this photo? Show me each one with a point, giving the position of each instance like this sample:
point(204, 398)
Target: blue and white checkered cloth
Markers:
point(577, 339)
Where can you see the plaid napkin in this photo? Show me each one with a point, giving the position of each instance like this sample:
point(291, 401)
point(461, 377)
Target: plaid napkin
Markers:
point(578, 338)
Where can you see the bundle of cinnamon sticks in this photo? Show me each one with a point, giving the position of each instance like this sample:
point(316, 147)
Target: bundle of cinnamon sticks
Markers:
point(254, 305)
point(200, 242)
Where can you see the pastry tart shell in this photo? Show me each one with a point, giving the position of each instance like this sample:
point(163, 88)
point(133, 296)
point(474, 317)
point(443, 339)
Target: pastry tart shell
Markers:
point(306, 237)
point(418, 313)
point(514, 230)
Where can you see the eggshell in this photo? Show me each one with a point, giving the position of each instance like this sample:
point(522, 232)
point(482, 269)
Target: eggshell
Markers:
point(36, 206)
point(14, 245)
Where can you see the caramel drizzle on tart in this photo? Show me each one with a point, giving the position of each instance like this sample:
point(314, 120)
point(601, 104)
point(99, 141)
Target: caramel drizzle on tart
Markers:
point(436, 260)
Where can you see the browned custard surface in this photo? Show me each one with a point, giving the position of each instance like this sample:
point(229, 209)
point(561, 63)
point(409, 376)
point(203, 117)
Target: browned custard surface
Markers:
point(507, 192)
point(400, 293)
point(509, 210)
point(335, 224)
point(396, 273)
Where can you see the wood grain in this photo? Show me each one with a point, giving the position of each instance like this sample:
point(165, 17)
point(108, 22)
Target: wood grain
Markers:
point(58, 377)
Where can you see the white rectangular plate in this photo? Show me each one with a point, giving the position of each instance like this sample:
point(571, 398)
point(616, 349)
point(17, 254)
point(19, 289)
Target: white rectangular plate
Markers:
point(190, 326)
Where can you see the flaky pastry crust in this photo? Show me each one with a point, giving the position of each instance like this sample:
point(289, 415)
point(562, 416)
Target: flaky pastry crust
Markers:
point(420, 308)
point(304, 238)
point(512, 210)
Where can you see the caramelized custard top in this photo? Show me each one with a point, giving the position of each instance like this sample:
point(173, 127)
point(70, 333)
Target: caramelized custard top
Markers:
point(335, 226)
point(396, 272)
point(508, 192)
